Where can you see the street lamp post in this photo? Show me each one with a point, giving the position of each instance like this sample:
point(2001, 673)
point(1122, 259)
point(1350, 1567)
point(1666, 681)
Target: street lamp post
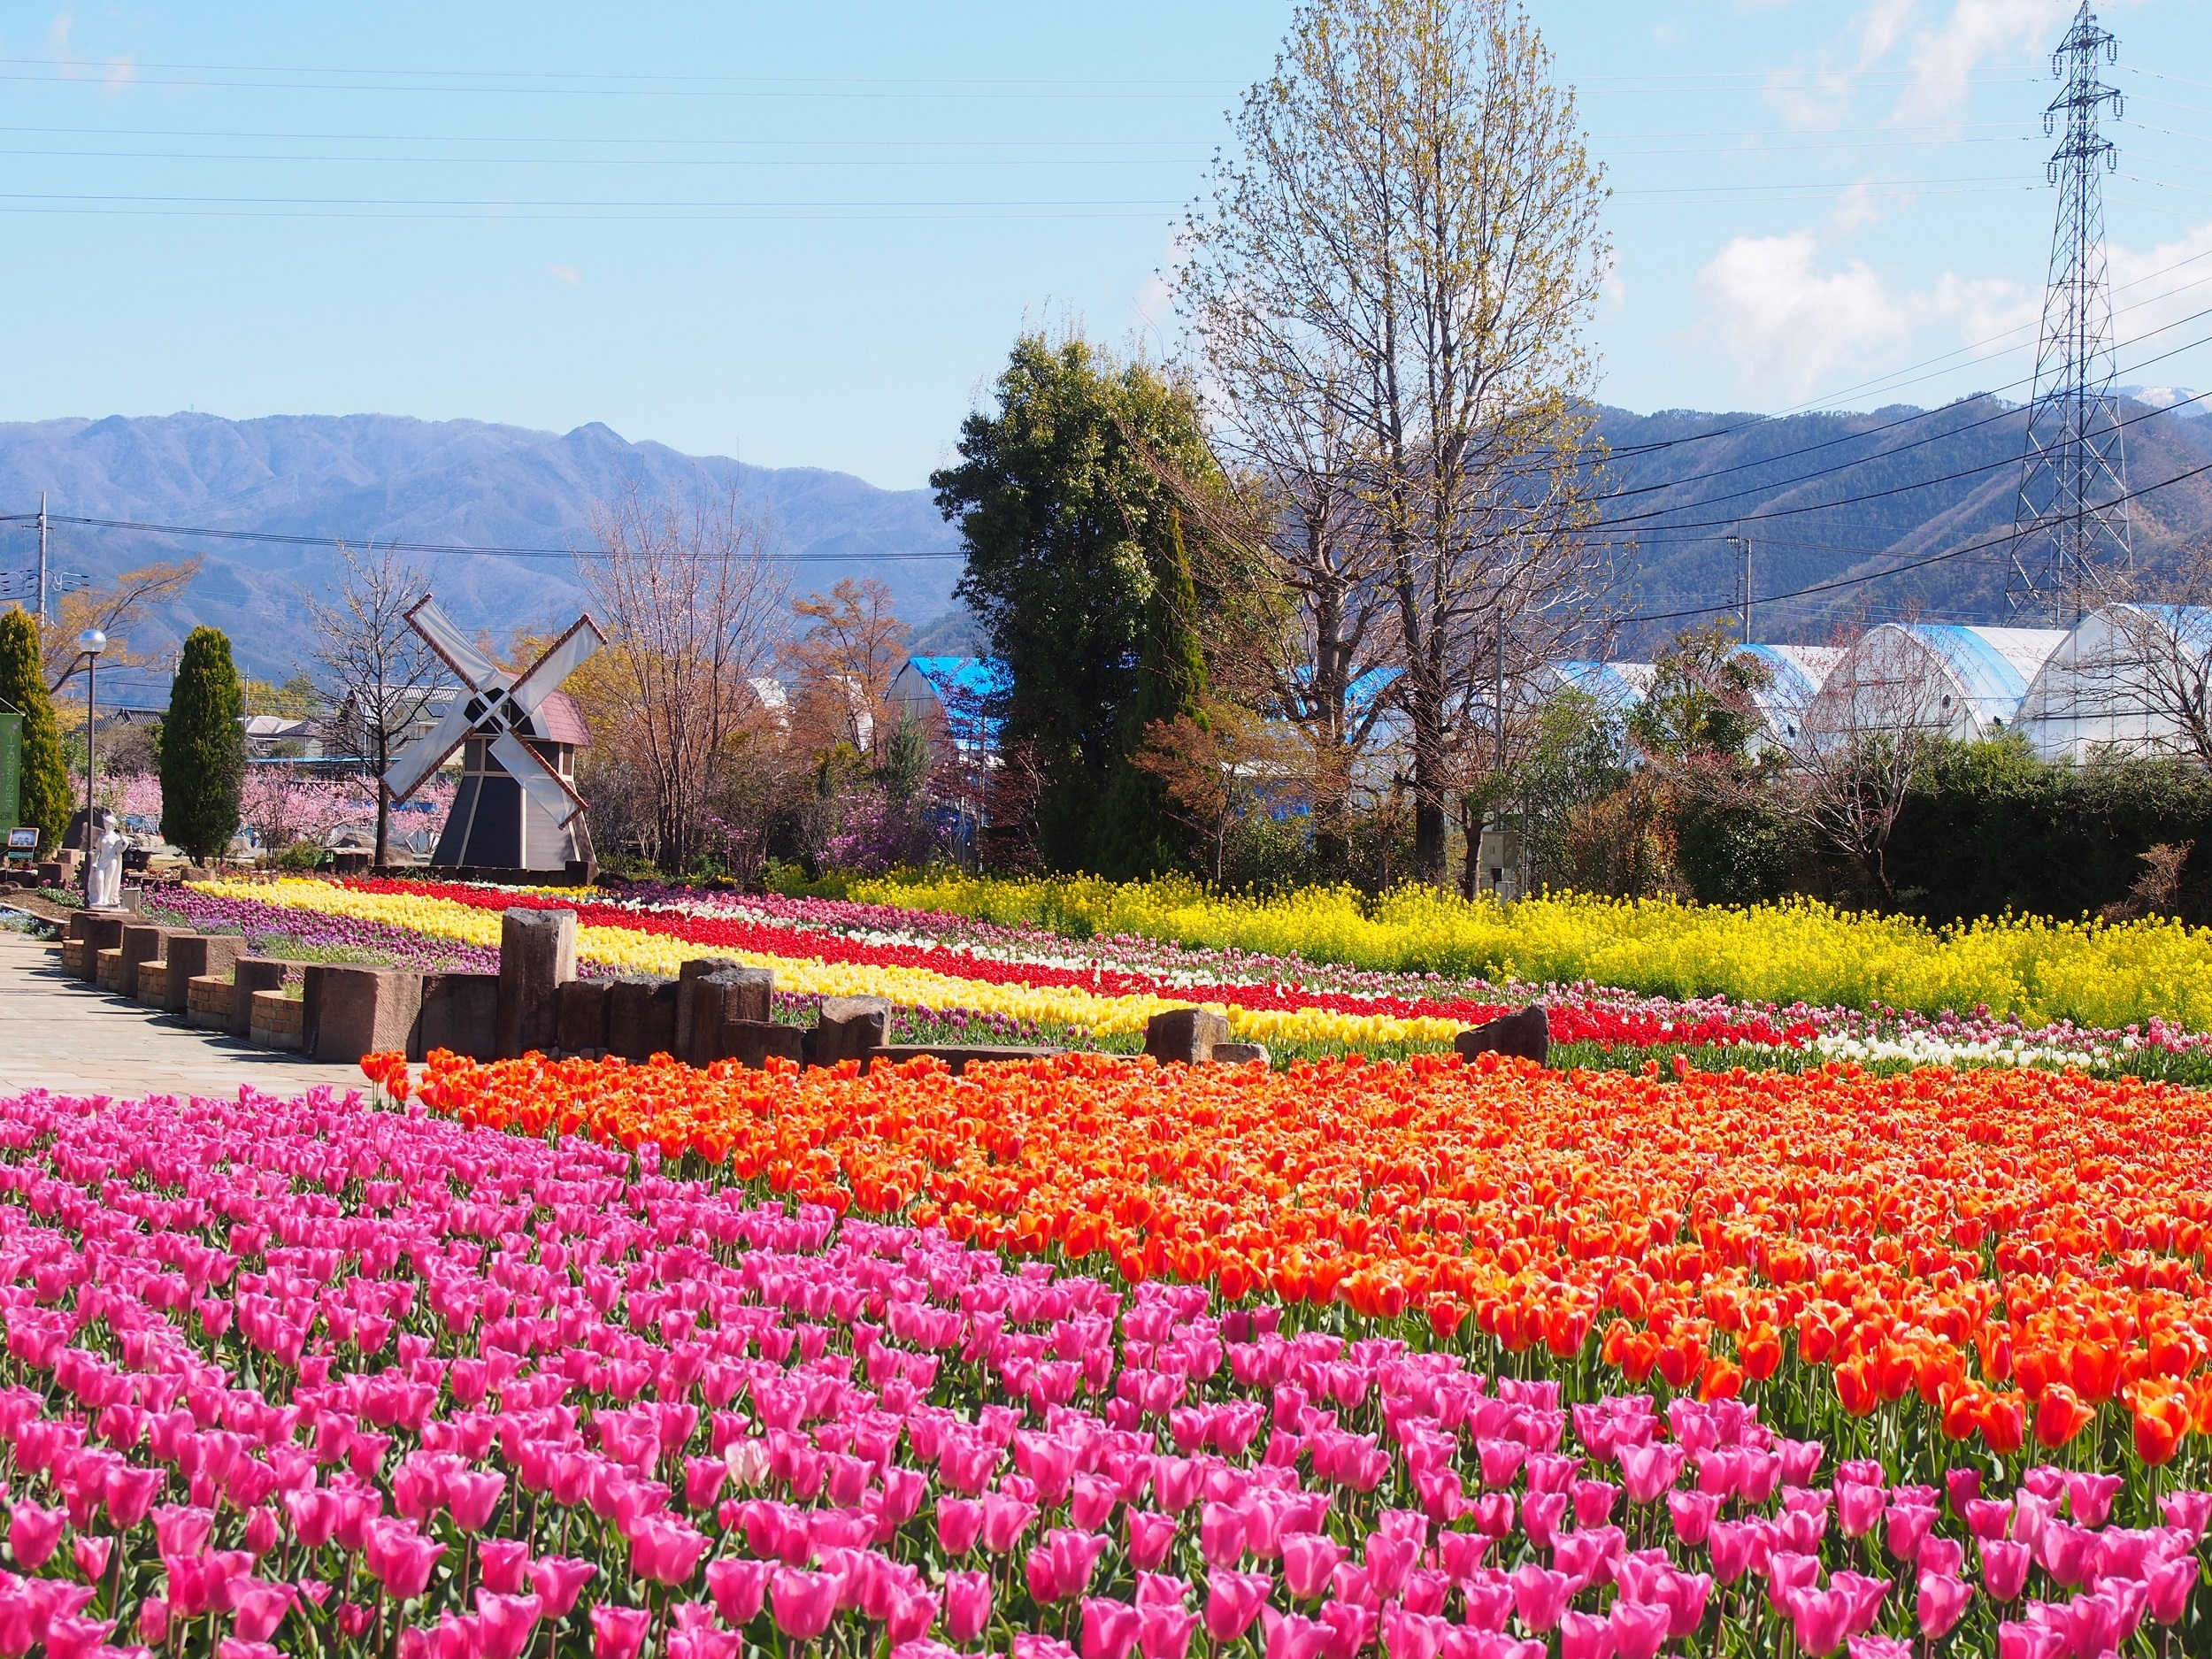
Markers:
point(91, 642)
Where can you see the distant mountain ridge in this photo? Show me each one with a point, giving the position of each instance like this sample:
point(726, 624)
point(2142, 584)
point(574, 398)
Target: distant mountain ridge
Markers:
point(1823, 497)
point(368, 477)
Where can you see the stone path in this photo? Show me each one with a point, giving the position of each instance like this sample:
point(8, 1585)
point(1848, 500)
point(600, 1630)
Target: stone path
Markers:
point(60, 1033)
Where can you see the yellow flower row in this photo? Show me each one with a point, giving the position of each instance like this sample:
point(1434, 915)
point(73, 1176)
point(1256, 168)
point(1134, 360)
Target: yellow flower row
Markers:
point(2090, 972)
point(633, 951)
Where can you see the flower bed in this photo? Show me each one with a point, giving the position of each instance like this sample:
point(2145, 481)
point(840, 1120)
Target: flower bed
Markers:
point(1906, 1261)
point(2091, 973)
point(303, 1377)
point(943, 972)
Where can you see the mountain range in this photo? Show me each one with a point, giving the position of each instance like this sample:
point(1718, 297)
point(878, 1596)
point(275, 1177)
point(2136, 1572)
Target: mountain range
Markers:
point(1826, 498)
point(1823, 497)
point(381, 478)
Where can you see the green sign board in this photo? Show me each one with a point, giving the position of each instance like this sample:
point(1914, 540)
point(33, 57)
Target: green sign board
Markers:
point(10, 771)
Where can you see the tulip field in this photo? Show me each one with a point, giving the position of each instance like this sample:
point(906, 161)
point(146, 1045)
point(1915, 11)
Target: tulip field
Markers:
point(1451, 1360)
point(1890, 1338)
point(949, 977)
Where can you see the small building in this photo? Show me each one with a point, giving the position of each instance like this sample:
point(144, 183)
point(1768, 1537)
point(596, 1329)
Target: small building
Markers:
point(958, 695)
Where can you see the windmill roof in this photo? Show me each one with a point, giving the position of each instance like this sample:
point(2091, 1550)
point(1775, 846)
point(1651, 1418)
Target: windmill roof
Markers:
point(560, 721)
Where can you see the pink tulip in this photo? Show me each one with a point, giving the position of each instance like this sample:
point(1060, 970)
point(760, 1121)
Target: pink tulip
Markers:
point(619, 1633)
point(2004, 1568)
point(1943, 1602)
point(1308, 1558)
point(2089, 1496)
point(1539, 1596)
point(739, 1586)
point(967, 1605)
point(1412, 1635)
point(1290, 1636)
point(803, 1603)
point(1960, 1486)
point(1163, 1630)
point(558, 1580)
point(1149, 1536)
point(1004, 1520)
point(400, 1558)
point(1648, 1471)
point(2170, 1584)
point(1692, 1514)
point(473, 1498)
point(258, 1609)
point(1220, 1536)
point(1234, 1601)
point(91, 1556)
point(505, 1622)
point(503, 1564)
point(1109, 1628)
point(1585, 1636)
point(2189, 1510)
point(1060, 1569)
point(1540, 1514)
point(1878, 1647)
point(1820, 1619)
point(35, 1534)
point(1858, 1508)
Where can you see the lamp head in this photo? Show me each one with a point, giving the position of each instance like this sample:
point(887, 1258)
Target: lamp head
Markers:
point(92, 641)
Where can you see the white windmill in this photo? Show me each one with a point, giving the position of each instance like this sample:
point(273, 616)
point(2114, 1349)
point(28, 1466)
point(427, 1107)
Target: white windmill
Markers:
point(517, 808)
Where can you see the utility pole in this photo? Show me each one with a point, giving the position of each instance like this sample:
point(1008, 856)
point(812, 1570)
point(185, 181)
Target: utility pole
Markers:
point(1743, 543)
point(2070, 519)
point(42, 555)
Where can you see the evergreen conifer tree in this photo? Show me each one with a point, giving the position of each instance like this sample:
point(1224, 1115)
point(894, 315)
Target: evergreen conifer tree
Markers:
point(203, 749)
point(45, 798)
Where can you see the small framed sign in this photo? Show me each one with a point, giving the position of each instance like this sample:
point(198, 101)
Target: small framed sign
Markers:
point(23, 844)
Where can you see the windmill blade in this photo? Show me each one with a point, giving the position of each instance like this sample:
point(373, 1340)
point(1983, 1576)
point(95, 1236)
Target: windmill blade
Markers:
point(413, 764)
point(562, 658)
point(539, 781)
point(474, 668)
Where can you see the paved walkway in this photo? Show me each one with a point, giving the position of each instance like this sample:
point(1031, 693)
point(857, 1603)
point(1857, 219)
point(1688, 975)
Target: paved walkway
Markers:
point(63, 1035)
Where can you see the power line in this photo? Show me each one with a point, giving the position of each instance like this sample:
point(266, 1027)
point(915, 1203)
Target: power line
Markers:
point(285, 539)
point(1918, 564)
point(1878, 494)
point(1884, 455)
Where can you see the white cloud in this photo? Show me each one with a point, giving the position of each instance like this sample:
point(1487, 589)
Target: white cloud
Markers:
point(1944, 59)
point(1791, 321)
point(566, 273)
point(2160, 284)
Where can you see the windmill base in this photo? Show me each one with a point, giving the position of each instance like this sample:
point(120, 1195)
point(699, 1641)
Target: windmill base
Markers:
point(579, 873)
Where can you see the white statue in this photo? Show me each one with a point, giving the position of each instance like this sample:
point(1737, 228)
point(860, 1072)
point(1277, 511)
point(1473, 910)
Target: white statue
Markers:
point(103, 888)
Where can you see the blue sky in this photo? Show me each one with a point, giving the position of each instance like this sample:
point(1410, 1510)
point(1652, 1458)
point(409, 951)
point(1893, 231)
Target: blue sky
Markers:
point(806, 234)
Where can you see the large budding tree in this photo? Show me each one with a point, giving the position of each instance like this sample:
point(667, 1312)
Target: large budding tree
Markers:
point(1390, 282)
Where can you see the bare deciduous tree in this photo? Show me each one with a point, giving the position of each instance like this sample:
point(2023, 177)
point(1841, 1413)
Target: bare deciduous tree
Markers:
point(377, 670)
point(114, 607)
point(695, 607)
point(843, 665)
point(2136, 675)
point(1865, 741)
point(1390, 278)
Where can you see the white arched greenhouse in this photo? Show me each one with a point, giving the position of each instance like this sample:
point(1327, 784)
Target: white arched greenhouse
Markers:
point(2120, 681)
point(1965, 683)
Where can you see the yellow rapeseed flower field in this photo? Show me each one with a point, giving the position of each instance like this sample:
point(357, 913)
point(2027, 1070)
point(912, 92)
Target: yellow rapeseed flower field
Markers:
point(1798, 950)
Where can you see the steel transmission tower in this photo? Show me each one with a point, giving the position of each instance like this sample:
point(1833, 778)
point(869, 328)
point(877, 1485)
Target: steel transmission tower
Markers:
point(2071, 519)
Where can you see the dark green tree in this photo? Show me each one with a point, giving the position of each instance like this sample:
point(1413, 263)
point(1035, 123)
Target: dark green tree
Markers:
point(45, 800)
point(1139, 834)
point(203, 749)
point(1070, 536)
